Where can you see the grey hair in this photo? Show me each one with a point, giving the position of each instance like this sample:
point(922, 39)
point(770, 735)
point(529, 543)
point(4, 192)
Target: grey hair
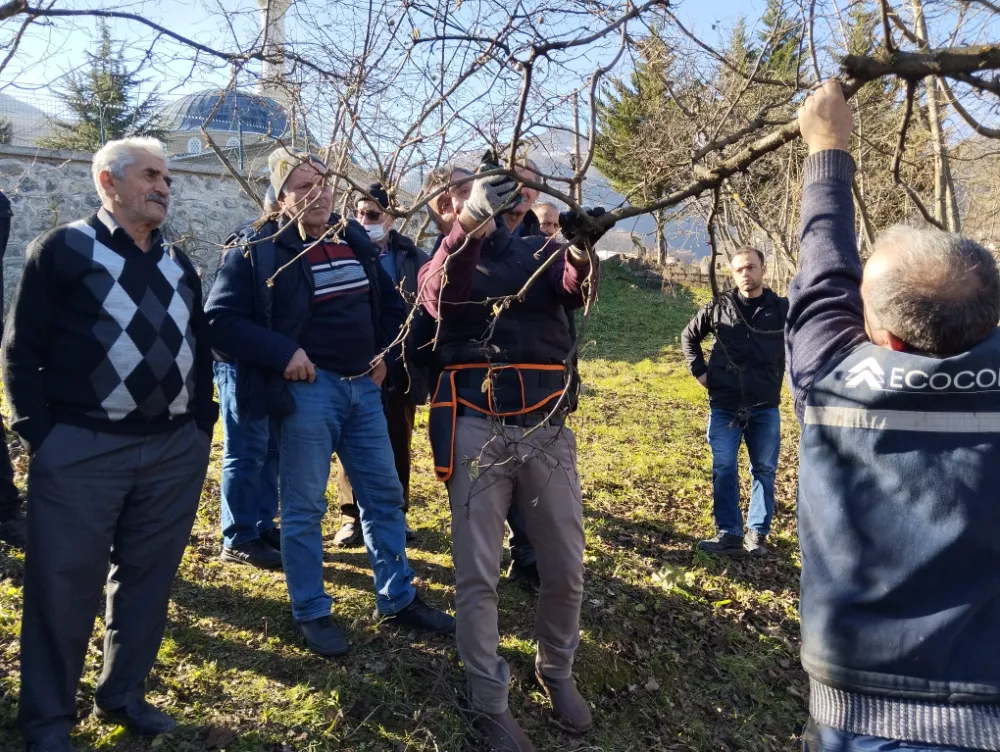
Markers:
point(529, 163)
point(441, 176)
point(941, 292)
point(116, 155)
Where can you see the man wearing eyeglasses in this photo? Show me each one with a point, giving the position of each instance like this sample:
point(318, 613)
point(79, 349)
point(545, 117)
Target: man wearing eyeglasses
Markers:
point(406, 383)
point(306, 311)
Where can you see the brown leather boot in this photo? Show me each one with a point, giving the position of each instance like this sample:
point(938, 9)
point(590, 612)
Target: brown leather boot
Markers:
point(502, 733)
point(568, 706)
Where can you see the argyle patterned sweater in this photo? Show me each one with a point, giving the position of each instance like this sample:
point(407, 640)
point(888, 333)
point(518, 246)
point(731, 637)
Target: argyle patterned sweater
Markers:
point(105, 336)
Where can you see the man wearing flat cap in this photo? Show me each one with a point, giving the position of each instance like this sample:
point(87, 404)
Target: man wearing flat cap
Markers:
point(307, 312)
point(406, 384)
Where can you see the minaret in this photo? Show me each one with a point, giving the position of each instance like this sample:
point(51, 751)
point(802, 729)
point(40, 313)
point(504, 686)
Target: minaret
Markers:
point(272, 24)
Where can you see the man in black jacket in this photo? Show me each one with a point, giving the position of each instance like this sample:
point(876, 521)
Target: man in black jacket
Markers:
point(307, 311)
point(743, 378)
point(108, 368)
point(406, 383)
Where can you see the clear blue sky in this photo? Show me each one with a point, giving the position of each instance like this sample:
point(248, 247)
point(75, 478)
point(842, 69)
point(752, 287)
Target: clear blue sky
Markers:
point(46, 54)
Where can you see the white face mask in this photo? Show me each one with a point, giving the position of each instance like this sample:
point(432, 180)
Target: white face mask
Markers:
point(375, 232)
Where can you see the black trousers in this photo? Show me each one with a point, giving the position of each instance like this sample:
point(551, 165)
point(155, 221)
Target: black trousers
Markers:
point(9, 500)
point(96, 499)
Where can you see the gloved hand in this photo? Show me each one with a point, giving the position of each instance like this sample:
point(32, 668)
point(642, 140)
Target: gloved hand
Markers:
point(491, 195)
point(581, 239)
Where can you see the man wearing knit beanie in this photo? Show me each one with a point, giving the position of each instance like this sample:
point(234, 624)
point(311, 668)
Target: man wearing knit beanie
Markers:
point(308, 313)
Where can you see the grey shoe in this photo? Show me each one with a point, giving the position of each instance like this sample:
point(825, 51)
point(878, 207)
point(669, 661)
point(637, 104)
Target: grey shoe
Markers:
point(723, 544)
point(501, 732)
point(755, 543)
point(568, 706)
point(349, 535)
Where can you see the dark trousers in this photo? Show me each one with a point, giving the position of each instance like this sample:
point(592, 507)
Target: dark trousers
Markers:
point(9, 501)
point(400, 413)
point(94, 499)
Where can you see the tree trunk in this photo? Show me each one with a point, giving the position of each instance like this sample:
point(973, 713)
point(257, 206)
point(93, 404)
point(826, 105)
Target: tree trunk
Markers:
point(945, 205)
point(661, 241)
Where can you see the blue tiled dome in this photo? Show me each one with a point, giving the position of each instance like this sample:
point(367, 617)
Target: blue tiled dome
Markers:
point(239, 110)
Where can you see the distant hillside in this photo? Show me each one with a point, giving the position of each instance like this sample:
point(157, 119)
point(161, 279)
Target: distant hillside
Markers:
point(554, 157)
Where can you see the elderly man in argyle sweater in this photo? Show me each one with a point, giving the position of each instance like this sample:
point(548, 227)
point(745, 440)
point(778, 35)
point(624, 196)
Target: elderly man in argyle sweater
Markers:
point(108, 368)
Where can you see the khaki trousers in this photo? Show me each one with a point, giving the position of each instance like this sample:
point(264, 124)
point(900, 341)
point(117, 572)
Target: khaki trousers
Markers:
point(495, 465)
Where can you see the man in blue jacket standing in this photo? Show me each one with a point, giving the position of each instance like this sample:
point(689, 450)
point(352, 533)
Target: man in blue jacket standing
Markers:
point(894, 368)
point(306, 309)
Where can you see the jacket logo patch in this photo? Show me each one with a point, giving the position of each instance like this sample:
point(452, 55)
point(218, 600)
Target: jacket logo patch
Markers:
point(867, 371)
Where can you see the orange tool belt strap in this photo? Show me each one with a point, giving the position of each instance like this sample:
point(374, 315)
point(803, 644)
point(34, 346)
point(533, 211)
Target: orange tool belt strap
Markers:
point(493, 390)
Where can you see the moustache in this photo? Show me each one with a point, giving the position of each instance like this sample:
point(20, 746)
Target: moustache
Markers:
point(159, 198)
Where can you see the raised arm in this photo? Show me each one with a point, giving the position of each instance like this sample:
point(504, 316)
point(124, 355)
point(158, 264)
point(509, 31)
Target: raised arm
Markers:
point(447, 277)
point(825, 313)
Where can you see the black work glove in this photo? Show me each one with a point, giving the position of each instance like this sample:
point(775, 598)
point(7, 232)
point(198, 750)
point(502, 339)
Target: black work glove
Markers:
point(496, 194)
point(581, 239)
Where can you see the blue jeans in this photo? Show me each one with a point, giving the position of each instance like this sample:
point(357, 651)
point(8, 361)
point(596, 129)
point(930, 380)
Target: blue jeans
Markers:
point(249, 468)
point(343, 416)
point(762, 434)
point(818, 738)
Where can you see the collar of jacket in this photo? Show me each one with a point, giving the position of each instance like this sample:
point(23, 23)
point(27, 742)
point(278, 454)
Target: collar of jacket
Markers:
point(498, 242)
point(354, 235)
point(769, 296)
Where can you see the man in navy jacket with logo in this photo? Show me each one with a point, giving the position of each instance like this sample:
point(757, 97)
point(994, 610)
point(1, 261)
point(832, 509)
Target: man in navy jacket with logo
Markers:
point(306, 309)
point(894, 368)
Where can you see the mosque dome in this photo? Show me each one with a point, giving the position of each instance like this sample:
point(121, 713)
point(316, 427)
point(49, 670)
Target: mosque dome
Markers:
point(239, 111)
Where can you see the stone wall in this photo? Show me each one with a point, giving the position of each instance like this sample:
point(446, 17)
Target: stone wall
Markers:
point(48, 188)
point(691, 275)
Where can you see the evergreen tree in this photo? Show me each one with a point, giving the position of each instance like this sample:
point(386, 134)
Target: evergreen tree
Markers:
point(781, 34)
point(642, 133)
point(6, 131)
point(104, 99)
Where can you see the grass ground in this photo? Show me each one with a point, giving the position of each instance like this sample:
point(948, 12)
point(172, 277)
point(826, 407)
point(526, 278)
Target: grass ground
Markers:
point(678, 652)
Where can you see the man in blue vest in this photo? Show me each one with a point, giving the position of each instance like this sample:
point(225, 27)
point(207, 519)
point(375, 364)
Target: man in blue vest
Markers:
point(306, 309)
point(894, 369)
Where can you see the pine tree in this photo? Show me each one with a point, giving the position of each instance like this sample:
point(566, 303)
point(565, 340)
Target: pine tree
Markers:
point(6, 131)
point(105, 101)
point(781, 36)
point(642, 132)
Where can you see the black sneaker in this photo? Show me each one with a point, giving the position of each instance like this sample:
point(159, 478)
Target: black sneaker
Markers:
point(525, 575)
point(755, 543)
point(272, 538)
point(256, 553)
point(58, 743)
point(13, 532)
point(139, 717)
point(418, 615)
point(723, 544)
point(323, 636)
